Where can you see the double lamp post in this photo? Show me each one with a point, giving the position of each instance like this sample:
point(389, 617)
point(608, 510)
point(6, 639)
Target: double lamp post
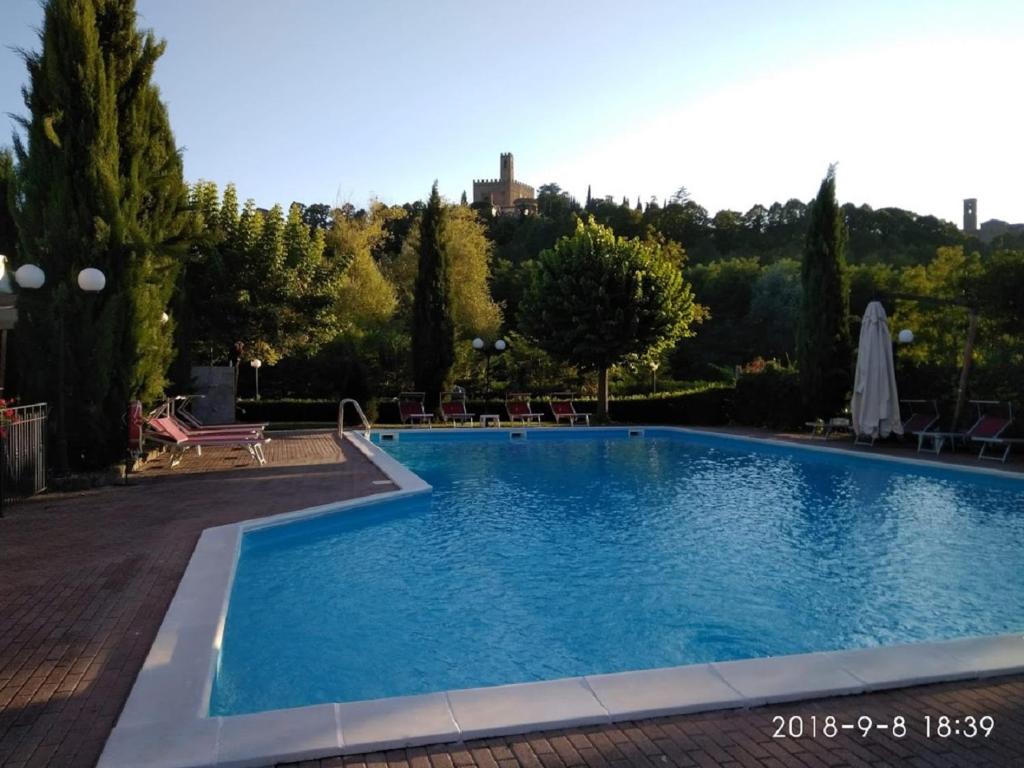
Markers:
point(90, 281)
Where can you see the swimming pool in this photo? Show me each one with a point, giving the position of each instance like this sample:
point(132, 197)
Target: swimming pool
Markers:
point(578, 552)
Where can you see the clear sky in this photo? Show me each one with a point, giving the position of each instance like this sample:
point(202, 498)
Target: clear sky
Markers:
point(741, 102)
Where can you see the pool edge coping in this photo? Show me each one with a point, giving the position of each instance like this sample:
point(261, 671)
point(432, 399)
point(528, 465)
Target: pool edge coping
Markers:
point(165, 719)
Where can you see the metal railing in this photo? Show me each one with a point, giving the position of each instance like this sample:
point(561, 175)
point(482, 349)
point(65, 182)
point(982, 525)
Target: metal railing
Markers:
point(23, 451)
point(359, 410)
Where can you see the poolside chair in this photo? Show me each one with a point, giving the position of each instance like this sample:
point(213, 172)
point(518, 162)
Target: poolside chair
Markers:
point(562, 408)
point(176, 408)
point(985, 428)
point(517, 404)
point(164, 431)
point(922, 418)
point(410, 409)
point(453, 409)
point(995, 441)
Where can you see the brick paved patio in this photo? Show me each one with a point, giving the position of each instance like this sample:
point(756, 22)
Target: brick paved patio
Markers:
point(743, 738)
point(85, 580)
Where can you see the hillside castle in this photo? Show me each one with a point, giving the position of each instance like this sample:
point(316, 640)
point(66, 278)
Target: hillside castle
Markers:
point(505, 193)
point(990, 229)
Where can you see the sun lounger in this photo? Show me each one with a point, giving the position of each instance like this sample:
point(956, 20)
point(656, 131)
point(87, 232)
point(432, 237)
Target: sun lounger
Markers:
point(181, 410)
point(454, 410)
point(562, 408)
point(986, 427)
point(990, 446)
point(919, 422)
point(410, 409)
point(518, 408)
point(165, 431)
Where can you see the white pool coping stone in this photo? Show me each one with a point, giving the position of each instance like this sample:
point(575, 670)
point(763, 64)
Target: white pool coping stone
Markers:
point(165, 722)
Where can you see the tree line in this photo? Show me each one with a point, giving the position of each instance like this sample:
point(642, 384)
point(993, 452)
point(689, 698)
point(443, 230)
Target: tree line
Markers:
point(367, 301)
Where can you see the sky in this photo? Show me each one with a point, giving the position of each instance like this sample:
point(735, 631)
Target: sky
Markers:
point(740, 102)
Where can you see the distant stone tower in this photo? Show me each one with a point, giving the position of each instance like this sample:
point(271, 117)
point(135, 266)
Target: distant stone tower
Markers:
point(505, 191)
point(971, 215)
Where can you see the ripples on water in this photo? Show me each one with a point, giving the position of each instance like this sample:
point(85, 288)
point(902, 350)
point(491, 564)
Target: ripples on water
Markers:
point(550, 558)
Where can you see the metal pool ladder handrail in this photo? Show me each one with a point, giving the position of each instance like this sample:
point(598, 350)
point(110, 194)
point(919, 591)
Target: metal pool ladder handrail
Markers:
point(359, 410)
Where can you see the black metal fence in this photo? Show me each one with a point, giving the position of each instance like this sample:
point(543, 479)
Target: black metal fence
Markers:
point(23, 451)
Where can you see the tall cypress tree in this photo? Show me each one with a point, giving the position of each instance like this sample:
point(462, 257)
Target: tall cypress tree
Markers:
point(100, 182)
point(433, 331)
point(8, 232)
point(824, 353)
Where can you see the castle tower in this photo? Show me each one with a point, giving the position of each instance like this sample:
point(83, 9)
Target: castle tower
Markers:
point(971, 215)
point(503, 192)
point(507, 169)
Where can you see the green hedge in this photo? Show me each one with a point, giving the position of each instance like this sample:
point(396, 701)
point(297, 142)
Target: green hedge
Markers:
point(287, 410)
point(708, 406)
point(769, 399)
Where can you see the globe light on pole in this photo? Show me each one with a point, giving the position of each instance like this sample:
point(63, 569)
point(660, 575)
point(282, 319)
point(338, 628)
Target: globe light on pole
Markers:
point(906, 336)
point(29, 276)
point(164, 318)
point(91, 280)
point(256, 365)
point(488, 351)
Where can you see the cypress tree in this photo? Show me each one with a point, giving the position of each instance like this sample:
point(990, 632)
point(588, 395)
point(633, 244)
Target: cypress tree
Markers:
point(433, 331)
point(8, 231)
point(464, 200)
point(100, 185)
point(590, 200)
point(824, 353)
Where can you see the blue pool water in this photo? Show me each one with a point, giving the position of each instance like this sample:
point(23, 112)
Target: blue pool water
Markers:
point(575, 553)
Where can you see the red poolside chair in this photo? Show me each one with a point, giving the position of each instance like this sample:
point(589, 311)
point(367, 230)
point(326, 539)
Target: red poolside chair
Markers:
point(920, 419)
point(180, 408)
point(410, 409)
point(987, 427)
point(562, 408)
point(518, 407)
point(454, 410)
point(163, 430)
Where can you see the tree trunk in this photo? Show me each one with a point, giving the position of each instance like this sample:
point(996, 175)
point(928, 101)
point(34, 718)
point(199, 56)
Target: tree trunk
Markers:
point(602, 395)
point(965, 372)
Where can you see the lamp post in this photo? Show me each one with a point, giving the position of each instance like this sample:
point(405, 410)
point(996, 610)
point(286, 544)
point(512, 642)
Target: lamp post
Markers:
point(256, 365)
point(90, 280)
point(654, 376)
point(488, 351)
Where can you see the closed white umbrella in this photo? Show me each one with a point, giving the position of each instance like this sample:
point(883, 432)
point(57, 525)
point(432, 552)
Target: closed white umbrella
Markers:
point(875, 405)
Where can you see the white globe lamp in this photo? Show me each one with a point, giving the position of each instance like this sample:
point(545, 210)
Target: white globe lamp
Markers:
point(906, 336)
point(500, 345)
point(91, 280)
point(29, 276)
point(478, 343)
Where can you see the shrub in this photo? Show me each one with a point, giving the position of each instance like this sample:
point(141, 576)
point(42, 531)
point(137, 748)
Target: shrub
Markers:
point(705, 407)
point(768, 395)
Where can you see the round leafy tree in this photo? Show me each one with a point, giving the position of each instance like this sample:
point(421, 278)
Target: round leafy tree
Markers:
point(594, 300)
